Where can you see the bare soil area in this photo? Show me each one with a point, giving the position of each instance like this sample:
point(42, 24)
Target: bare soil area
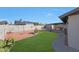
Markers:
point(19, 35)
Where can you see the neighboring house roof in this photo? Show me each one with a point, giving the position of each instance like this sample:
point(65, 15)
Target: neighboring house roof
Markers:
point(52, 24)
point(3, 22)
point(20, 22)
point(55, 23)
point(64, 17)
point(28, 22)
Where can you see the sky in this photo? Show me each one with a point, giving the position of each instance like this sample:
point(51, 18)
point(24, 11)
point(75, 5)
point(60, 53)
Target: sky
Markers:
point(35, 14)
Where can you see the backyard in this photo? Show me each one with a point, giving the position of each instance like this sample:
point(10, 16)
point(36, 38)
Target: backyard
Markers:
point(42, 42)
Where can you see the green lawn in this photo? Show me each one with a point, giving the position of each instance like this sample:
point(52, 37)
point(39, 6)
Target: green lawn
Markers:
point(42, 42)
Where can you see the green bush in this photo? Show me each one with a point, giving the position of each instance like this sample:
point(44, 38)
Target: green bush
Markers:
point(2, 50)
point(6, 45)
point(9, 43)
point(2, 43)
point(35, 31)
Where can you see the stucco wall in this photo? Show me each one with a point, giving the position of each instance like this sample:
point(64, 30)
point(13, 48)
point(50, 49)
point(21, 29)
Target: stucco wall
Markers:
point(17, 28)
point(73, 31)
point(49, 27)
point(14, 28)
point(59, 27)
point(39, 27)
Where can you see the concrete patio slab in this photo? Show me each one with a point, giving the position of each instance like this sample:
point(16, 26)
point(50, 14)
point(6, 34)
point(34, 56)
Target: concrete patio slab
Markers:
point(59, 46)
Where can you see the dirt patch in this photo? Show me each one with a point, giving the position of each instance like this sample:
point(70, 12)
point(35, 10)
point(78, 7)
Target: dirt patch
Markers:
point(19, 35)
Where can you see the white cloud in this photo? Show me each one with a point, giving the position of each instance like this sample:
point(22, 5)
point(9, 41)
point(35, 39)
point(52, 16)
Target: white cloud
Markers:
point(49, 15)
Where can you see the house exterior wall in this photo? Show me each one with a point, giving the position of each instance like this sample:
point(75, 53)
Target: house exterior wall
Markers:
point(52, 27)
point(49, 27)
point(39, 27)
point(59, 26)
point(73, 31)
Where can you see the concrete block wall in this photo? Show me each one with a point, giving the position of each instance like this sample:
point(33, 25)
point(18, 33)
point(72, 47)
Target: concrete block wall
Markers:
point(17, 28)
point(14, 28)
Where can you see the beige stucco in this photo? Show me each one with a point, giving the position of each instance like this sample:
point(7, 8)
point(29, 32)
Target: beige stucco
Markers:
point(73, 31)
point(49, 27)
point(14, 28)
point(57, 27)
point(39, 27)
point(17, 28)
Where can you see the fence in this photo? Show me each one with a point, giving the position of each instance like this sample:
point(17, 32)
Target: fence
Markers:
point(14, 28)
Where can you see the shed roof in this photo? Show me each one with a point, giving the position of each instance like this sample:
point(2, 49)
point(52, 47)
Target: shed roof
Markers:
point(64, 17)
point(55, 23)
